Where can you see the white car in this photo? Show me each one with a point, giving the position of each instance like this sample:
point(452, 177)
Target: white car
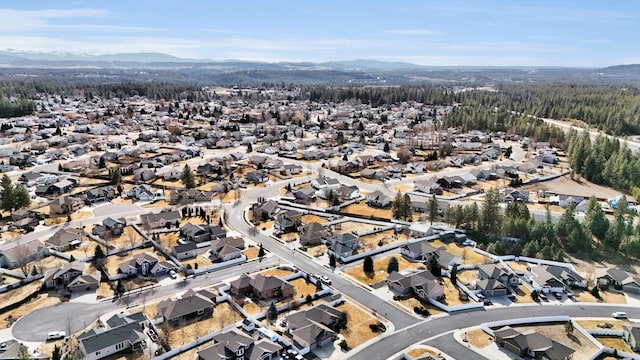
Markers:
point(173, 274)
point(325, 280)
point(55, 335)
point(619, 315)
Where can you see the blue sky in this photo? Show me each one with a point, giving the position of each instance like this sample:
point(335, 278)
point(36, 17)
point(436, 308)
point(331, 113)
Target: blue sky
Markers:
point(440, 33)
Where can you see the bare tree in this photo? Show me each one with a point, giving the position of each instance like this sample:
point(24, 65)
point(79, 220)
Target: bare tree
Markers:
point(23, 257)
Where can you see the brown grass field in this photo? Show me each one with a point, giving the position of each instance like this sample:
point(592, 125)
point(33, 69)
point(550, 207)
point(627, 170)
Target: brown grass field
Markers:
point(479, 338)
point(380, 267)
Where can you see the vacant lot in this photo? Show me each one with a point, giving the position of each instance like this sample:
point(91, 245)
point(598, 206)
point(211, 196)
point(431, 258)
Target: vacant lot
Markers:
point(317, 250)
point(593, 324)
point(584, 296)
point(564, 185)
point(15, 295)
point(479, 338)
point(613, 297)
point(380, 269)
point(388, 237)
point(357, 331)
point(362, 208)
point(351, 226)
point(277, 272)
point(251, 252)
point(523, 295)
point(467, 276)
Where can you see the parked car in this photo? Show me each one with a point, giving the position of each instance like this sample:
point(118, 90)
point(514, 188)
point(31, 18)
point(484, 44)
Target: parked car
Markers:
point(173, 274)
point(325, 280)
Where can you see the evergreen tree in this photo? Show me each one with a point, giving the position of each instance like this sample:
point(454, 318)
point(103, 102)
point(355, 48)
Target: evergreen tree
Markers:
point(261, 252)
point(272, 312)
point(7, 193)
point(367, 265)
point(491, 212)
point(57, 353)
point(433, 209)
point(187, 177)
point(116, 177)
point(332, 261)
point(386, 147)
point(99, 253)
point(454, 275)
point(102, 163)
point(21, 197)
point(595, 220)
point(393, 265)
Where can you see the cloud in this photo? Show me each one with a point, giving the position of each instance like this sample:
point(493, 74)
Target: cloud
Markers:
point(412, 32)
point(25, 21)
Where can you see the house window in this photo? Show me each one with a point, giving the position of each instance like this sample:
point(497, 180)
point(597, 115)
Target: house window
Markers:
point(240, 351)
point(201, 311)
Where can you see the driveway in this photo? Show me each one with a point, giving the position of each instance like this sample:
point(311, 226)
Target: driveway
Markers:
point(115, 210)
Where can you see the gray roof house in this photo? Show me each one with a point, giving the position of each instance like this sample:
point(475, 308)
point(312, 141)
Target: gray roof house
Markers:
point(191, 306)
point(236, 345)
point(123, 333)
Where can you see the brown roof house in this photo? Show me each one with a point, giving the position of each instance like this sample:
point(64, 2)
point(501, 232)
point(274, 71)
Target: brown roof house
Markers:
point(315, 327)
point(532, 344)
point(422, 284)
point(312, 234)
point(66, 205)
point(192, 306)
point(236, 345)
point(263, 287)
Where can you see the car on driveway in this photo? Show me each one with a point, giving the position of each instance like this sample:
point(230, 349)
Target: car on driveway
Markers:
point(173, 274)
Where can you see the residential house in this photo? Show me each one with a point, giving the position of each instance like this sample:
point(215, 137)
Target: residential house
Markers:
point(140, 264)
point(418, 251)
point(64, 239)
point(123, 333)
point(142, 192)
point(264, 211)
point(315, 327)
point(236, 345)
point(61, 276)
point(419, 230)
point(191, 306)
point(312, 234)
point(550, 278)
point(511, 195)
point(286, 222)
point(305, 195)
point(257, 177)
point(189, 196)
point(201, 233)
point(347, 193)
point(495, 281)
point(325, 185)
point(343, 245)
point(263, 287)
point(631, 335)
point(56, 188)
point(618, 279)
point(291, 169)
point(144, 174)
point(186, 251)
point(16, 252)
point(567, 200)
point(422, 284)
point(532, 344)
point(161, 219)
point(101, 194)
point(225, 249)
point(378, 199)
point(66, 205)
point(32, 178)
point(110, 228)
point(85, 282)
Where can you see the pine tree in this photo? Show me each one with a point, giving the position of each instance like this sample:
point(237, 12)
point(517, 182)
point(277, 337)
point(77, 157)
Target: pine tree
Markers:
point(21, 197)
point(116, 177)
point(433, 209)
point(261, 252)
point(367, 265)
point(272, 312)
point(454, 275)
point(99, 253)
point(393, 265)
point(7, 193)
point(187, 177)
point(57, 353)
point(332, 261)
point(102, 163)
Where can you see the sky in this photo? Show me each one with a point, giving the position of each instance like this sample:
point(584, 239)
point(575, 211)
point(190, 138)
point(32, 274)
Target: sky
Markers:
point(582, 33)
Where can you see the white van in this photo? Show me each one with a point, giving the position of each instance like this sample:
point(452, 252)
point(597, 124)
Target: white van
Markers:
point(55, 335)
